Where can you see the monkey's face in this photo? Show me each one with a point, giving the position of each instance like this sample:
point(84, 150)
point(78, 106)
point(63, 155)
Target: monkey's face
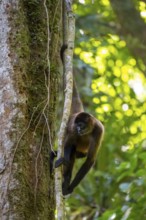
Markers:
point(83, 124)
point(80, 127)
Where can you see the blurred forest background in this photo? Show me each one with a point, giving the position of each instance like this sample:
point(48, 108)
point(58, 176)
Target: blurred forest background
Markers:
point(110, 68)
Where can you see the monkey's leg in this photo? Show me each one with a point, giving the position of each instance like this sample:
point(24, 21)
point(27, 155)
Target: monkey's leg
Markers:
point(67, 174)
point(69, 156)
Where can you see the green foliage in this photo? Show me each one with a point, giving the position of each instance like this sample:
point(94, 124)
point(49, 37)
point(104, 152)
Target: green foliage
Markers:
point(115, 188)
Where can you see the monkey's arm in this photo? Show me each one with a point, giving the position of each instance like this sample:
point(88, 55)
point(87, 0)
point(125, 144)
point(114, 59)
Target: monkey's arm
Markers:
point(81, 173)
point(84, 168)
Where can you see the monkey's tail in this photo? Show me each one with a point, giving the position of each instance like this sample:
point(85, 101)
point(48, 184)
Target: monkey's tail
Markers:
point(77, 105)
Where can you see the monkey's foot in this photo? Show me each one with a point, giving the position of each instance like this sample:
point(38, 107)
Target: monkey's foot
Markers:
point(66, 196)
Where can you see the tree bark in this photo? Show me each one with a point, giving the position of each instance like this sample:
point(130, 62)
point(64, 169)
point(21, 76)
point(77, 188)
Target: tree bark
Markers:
point(29, 78)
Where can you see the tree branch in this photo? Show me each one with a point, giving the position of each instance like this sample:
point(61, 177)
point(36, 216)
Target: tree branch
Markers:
point(68, 68)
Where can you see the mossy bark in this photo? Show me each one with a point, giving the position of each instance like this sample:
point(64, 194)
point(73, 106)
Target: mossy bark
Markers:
point(34, 133)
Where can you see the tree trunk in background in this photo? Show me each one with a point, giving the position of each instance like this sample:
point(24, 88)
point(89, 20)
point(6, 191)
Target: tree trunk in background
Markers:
point(26, 114)
point(132, 27)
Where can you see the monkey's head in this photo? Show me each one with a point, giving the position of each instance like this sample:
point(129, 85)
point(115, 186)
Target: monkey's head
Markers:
point(83, 123)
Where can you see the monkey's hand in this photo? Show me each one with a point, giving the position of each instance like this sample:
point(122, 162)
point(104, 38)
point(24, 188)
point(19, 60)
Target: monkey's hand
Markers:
point(53, 154)
point(61, 161)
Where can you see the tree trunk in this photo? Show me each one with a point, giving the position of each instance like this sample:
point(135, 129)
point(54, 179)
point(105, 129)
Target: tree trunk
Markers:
point(28, 103)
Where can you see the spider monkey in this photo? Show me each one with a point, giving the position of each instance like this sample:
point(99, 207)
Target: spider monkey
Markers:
point(83, 138)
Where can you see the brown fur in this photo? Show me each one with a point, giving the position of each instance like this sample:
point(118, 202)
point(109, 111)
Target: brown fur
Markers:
point(83, 138)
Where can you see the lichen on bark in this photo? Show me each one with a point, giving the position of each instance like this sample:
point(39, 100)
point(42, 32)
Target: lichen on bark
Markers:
point(30, 185)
